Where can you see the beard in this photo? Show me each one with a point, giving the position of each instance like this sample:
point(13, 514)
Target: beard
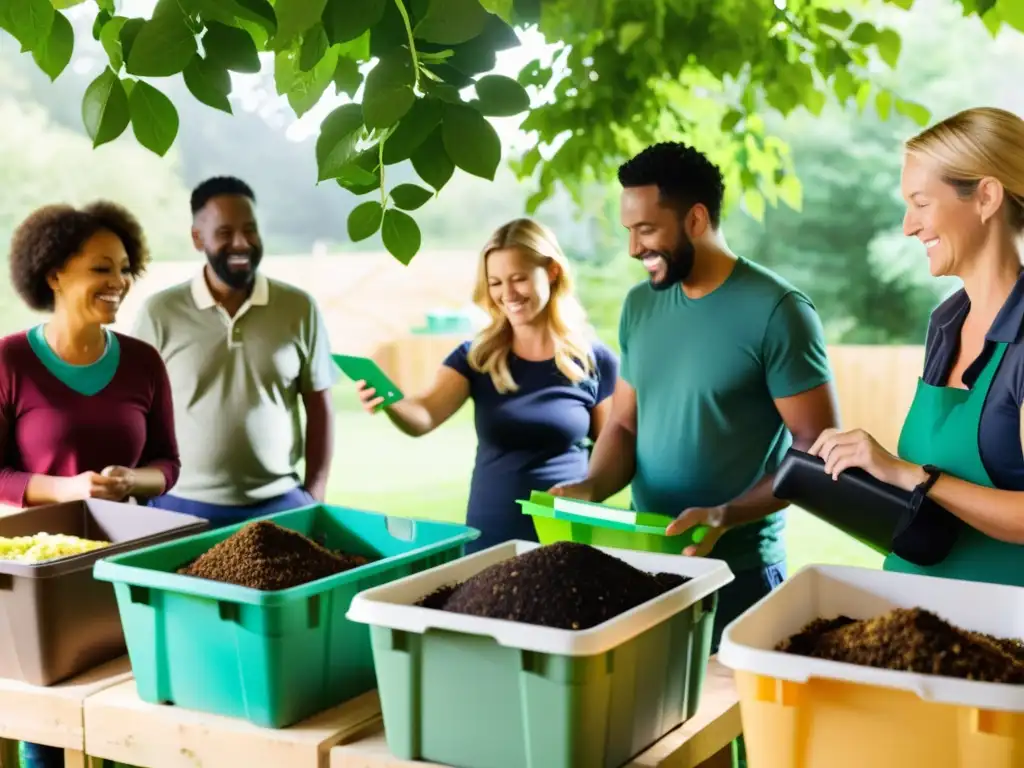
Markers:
point(678, 264)
point(235, 277)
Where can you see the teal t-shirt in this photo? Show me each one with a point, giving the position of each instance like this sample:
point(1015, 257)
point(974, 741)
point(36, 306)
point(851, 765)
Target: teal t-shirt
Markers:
point(706, 373)
point(84, 379)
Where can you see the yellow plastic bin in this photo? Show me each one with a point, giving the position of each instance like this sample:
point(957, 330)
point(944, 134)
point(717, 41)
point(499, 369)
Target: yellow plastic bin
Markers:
point(800, 712)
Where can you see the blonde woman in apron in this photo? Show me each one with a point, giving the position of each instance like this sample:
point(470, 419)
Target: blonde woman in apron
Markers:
point(961, 443)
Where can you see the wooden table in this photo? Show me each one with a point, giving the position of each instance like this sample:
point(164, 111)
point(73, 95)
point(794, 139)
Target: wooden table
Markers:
point(702, 742)
point(120, 726)
point(53, 715)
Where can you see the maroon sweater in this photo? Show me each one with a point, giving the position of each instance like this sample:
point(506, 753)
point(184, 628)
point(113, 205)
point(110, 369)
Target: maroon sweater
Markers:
point(47, 428)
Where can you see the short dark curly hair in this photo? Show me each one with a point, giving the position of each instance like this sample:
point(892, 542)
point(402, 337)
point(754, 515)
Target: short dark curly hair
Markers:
point(683, 176)
point(217, 186)
point(51, 235)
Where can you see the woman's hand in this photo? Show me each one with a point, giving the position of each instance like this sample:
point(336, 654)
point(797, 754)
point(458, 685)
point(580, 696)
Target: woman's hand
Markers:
point(368, 397)
point(124, 481)
point(94, 485)
point(856, 448)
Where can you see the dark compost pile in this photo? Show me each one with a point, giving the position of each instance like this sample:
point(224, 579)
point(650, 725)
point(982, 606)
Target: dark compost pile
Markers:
point(564, 585)
point(266, 556)
point(911, 640)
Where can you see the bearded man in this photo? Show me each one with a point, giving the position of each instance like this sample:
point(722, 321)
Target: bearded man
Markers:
point(243, 353)
point(723, 368)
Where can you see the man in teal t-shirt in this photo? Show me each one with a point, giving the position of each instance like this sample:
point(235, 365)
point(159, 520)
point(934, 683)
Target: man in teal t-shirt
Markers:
point(723, 369)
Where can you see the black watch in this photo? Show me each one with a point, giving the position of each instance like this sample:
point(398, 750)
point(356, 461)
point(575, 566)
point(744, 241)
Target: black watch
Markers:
point(919, 493)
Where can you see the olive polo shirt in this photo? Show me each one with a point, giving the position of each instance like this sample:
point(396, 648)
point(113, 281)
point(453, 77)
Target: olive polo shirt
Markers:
point(1001, 431)
point(237, 383)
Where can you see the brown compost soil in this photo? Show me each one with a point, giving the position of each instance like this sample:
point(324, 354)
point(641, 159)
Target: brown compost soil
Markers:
point(565, 585)
point(911, 640)
point(266, 556)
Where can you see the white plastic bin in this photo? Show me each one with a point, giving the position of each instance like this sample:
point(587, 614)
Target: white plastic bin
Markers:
point(800, 712)
point(488, 693)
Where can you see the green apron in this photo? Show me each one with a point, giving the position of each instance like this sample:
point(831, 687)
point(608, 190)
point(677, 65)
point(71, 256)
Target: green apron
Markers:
point(942, 430)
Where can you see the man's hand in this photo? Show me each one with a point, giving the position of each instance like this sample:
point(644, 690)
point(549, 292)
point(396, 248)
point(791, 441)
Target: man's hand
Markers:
point(711, 527)
point(583, 490)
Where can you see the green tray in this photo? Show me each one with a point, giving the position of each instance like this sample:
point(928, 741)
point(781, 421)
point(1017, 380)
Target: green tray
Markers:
point(647, 534)
point(272, 658)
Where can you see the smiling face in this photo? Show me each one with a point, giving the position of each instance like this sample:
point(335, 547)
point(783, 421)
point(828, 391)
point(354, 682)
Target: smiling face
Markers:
point(225, 230)
point(93, 282)
point(519, 287)
point(949, 225)
point(656, 236)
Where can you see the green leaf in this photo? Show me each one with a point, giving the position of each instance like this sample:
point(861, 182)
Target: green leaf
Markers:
point(105, 108)
point(129, 31)
point(110, 39)
point(431, 161)
point(358, 50)
point(500, 8)
point(1012, 12)
point(62, 5)
point(106, 5)
point(905, 5)
point(154, 118)
point(470, 141)
point(916, 112)
point(208, 83)
point(409, 197)
point(314, 46)
point(864, 34)
point(356, 179)
point(28, 21)
point(844, 85)
point(346, 20)
point(840, 20)
point(412, 130)
point(304, 89)
point(388, 94)
point(863, 94)
point(336, 145)
point(347, 77)
point(450, 22)
point(753, 201)
point(981, 7)
point(54, 53)
point(294, 17)
point(730, 120)
point(260, 12)
point(230, 48)
point(883, 103)
point(629, 33)
point(888, 44)
point(364, 220)
point(98, 23)
point(791, 191)
point(401, 235)
point(501, 96)
point(815, 101)
point(164, 45)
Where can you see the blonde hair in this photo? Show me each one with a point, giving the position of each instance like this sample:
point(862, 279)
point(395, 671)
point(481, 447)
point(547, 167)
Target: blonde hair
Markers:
point(565, 316)
point(975, 144)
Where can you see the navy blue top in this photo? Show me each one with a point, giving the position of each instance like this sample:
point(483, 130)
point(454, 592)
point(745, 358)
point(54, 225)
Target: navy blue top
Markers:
point(527, 440)
point(999, 434)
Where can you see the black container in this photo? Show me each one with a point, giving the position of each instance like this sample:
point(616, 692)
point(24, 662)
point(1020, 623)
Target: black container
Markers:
point(872, 512)
point(56, 621)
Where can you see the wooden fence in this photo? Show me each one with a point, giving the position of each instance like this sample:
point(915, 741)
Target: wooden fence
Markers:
point(874, 384)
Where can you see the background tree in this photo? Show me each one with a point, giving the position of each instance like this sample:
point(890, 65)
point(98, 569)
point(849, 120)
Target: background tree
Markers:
point(627, 73)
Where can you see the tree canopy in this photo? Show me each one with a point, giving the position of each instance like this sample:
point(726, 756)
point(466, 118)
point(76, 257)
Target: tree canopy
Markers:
point(418, 77)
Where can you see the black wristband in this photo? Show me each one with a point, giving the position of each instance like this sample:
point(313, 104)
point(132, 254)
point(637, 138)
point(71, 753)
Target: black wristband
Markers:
point(919, 493)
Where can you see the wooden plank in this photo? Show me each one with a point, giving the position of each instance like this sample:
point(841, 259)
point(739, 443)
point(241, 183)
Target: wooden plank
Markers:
point(120, 726)
point(703, 738)
point(53, 715)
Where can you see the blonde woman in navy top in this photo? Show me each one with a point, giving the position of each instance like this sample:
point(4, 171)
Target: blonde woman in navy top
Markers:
point(539, 380)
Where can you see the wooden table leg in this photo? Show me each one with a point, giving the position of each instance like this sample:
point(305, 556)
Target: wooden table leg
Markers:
point(8, 753)
point(721, 759)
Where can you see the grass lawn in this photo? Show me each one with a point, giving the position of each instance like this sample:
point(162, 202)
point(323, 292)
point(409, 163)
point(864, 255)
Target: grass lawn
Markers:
point(378, 468)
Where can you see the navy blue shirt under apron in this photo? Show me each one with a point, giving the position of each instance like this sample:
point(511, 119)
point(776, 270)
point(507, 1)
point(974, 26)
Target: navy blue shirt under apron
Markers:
point(527, 440)
point(999, 434)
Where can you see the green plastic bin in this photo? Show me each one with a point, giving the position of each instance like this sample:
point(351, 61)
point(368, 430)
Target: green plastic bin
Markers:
point(272, 658)
point(471, 692)
point(645, 535)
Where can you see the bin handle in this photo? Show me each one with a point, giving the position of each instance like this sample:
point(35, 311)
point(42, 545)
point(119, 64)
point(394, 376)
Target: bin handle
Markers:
point(401, 528)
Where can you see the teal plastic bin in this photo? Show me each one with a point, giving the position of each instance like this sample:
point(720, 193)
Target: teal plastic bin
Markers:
point(272, 658)
point(617, 528)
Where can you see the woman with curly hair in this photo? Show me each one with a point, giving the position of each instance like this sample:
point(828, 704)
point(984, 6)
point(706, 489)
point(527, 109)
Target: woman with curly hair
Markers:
point(84, 412)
